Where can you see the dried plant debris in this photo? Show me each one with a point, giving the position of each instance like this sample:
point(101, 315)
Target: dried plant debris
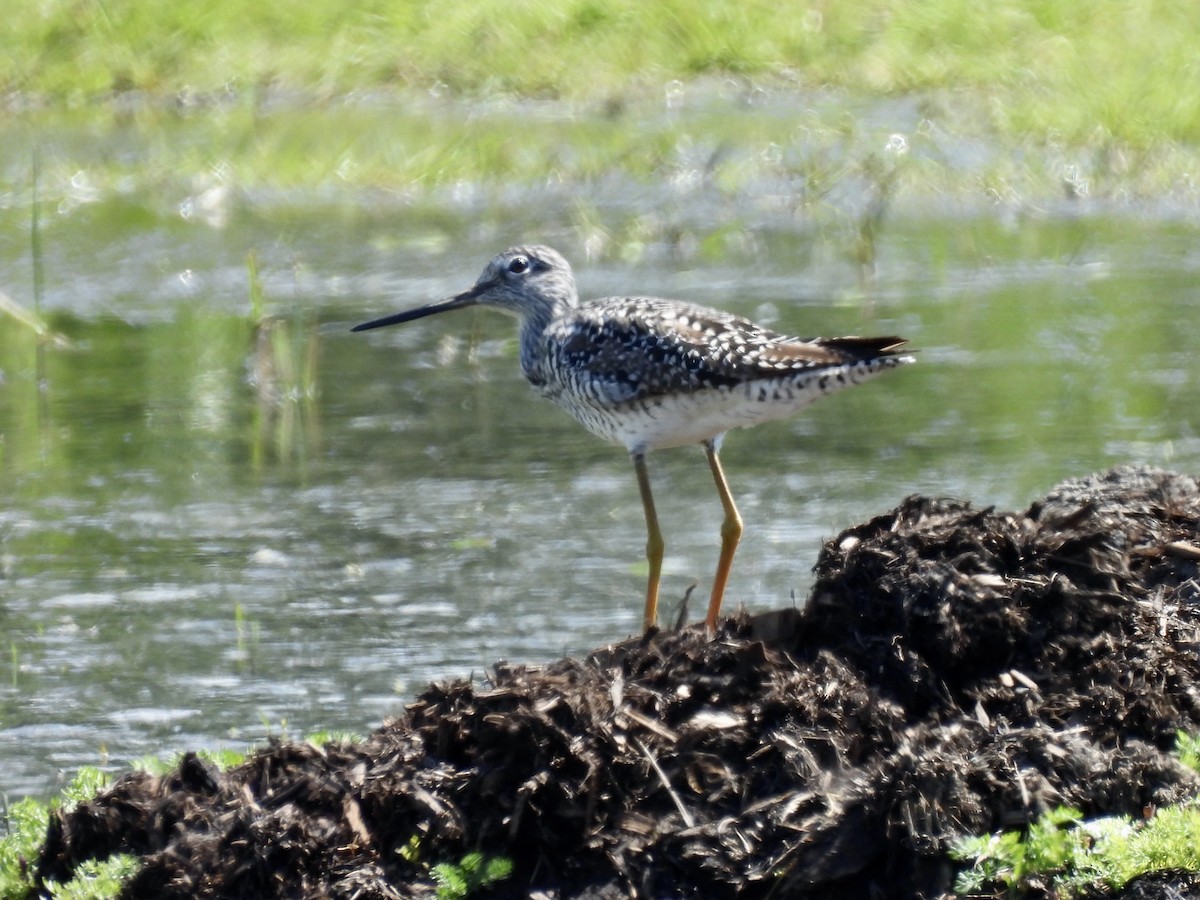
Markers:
point(956, 670)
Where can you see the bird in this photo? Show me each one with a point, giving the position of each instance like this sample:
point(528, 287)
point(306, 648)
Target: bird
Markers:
point(652, 374)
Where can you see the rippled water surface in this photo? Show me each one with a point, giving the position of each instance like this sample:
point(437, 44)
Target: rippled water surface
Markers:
point(223, 517)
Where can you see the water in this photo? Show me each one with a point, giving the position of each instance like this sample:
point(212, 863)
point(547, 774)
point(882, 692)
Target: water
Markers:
point(217, 524)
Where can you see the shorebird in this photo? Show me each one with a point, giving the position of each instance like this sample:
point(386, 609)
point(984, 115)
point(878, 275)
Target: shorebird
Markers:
point(651, 373)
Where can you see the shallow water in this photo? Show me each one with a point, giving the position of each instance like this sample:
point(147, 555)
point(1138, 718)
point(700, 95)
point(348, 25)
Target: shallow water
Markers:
point(217, 525)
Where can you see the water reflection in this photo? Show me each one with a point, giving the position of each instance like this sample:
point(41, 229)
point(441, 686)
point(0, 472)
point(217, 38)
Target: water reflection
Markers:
point(199, 548)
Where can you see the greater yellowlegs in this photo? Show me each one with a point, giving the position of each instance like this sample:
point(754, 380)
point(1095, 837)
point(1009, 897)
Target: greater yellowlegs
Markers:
point(652, 373)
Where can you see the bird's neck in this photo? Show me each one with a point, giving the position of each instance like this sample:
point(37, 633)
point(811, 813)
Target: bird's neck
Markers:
point(534, 322)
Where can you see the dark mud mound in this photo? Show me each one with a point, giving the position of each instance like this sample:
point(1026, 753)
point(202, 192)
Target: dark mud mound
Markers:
point(957, 670)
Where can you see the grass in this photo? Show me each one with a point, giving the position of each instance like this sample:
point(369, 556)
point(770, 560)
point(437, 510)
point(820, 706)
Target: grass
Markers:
point(1126, 70)
point(1017, 102)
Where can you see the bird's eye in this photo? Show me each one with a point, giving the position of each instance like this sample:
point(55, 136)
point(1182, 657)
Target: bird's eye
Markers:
point(519, 265)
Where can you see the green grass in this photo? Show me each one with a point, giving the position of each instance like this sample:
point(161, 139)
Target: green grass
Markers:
point(1124, 70)
point(1014, 100)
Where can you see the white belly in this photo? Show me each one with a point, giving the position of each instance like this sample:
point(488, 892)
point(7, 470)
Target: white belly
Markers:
point(673, 420)
point(677, 420)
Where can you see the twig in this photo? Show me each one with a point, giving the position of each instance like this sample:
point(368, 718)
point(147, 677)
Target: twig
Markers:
point(681, 619)
point(662, 776)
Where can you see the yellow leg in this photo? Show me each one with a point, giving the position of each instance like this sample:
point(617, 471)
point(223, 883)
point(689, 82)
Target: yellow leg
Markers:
point(654, 541)
point(731, 533)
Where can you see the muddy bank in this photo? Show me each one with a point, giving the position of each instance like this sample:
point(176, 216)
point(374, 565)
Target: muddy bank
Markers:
point(957, 670)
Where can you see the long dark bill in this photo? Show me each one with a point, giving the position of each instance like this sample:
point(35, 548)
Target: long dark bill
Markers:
point(458, 301)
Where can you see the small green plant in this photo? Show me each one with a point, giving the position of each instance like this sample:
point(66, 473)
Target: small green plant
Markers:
point(284, 358)
point(222, 757)
point(1068, 855)
point(475, 871)
point(1187, 748)
point(26, 823)
point(333, 736)
point(96, 879)
point(1015, 860)
point(457, 881)
point(87, 783)
point(249, 635)
point(411, 852)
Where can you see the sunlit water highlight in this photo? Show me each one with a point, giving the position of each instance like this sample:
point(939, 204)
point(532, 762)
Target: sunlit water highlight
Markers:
point(213, 529)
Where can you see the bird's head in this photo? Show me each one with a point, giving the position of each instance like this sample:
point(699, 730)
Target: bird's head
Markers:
point(529, 282)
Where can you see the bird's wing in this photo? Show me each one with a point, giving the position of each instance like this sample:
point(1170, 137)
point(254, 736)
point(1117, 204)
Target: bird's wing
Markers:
point(632, 348)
